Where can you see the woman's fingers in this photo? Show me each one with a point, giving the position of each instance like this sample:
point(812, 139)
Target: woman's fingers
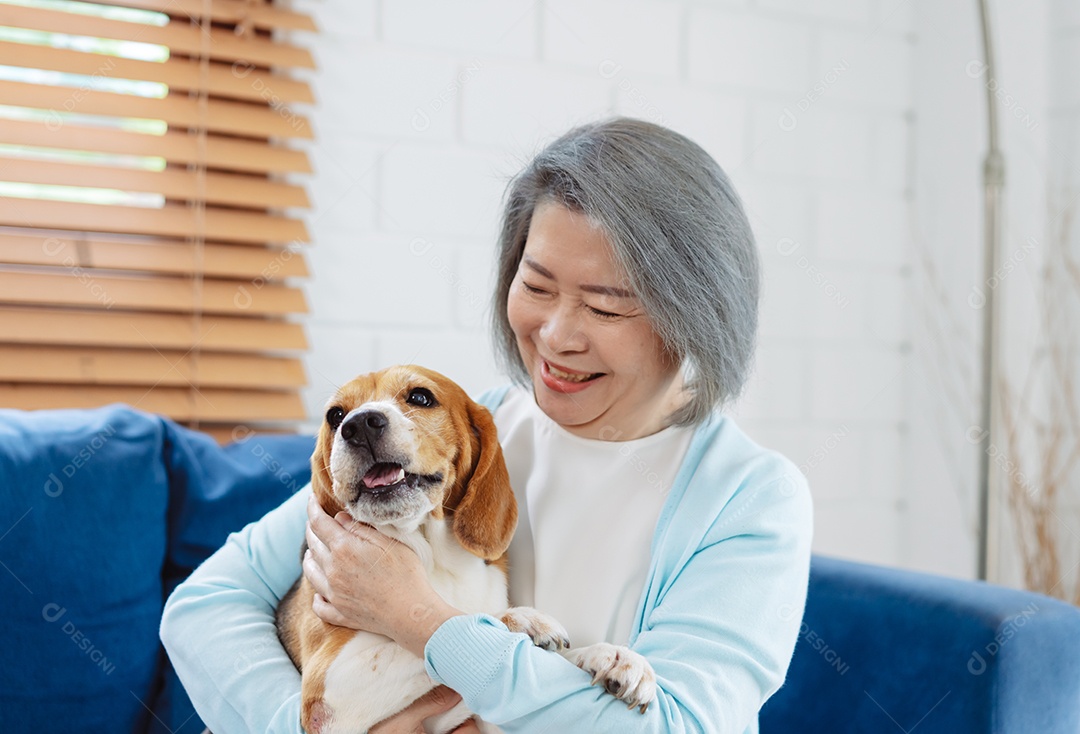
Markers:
point(321, 529)
point(435, 701)
point(315, 546)
point(332, 531)
point(314, 573)
point(361, 530)
point(328, 613)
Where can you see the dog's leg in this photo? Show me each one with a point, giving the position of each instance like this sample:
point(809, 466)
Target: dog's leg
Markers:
point(544, 630)
point(622, 672)
point(316, 715)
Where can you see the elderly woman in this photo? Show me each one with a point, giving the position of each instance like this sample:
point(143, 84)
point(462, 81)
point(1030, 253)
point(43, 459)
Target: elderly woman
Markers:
point(626, 309)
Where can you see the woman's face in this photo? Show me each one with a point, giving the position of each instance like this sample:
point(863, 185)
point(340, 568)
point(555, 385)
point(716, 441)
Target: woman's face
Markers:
point(597, 367)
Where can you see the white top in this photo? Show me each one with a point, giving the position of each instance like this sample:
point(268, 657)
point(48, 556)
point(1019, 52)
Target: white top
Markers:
point(578, 500)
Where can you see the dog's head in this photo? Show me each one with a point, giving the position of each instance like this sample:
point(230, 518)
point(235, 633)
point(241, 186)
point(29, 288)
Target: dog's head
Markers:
point(404, 442)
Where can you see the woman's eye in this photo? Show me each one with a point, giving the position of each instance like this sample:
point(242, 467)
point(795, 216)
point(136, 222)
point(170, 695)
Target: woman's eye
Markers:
point(532, 288)
point(421, 397)
point(604, 314)
point(334, 416)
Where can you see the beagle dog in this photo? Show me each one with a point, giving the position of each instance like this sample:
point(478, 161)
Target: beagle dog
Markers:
point(407, 451)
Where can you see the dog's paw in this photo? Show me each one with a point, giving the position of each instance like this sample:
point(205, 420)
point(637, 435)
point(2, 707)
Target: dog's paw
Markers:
point(545, 630)
point(624, 673)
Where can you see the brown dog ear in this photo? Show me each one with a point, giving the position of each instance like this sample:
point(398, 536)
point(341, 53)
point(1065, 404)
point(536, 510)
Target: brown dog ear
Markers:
point(322, 484)
point(485, 516)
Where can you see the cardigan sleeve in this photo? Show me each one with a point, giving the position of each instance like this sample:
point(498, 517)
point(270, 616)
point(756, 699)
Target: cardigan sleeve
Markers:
point(218, 627)
point(720, 638)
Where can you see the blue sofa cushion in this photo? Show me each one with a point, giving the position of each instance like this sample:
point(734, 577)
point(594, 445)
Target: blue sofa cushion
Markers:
point(82, 543)
point(103, 512)
point(884, 649)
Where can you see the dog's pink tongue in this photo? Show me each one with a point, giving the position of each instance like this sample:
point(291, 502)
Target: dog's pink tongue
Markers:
point(382, 475)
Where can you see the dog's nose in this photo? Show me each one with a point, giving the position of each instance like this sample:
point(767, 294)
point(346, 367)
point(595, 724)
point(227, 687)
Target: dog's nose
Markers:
point(365, 426)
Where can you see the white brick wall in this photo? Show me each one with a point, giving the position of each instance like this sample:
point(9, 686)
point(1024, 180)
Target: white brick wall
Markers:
point(426, 108)
point(460, 190)
point(465, 27)
point(517, 106)
point(747, 51)
point(588, 34)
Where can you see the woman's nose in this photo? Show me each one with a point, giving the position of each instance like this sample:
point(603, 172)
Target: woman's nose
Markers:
point(561, 330)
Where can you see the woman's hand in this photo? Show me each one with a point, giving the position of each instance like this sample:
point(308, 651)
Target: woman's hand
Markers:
point(366, 580)
point(410, 720)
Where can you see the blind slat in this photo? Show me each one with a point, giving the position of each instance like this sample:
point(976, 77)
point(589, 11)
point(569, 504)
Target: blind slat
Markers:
point(171, 368)
point(224, 261)
point(179, 35)
point(177, 110)
point(226, 11)
point(211, 404)
point(160, 331)
point(174, 147)
point(216, 188)
point(168, 221)
point(90, 289)
point(221, 80)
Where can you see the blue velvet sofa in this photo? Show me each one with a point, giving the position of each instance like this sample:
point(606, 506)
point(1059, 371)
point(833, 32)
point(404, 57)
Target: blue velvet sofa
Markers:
point(104, 511)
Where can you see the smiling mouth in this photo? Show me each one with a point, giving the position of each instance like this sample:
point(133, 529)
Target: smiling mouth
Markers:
point(577, 377)
point(386, 477)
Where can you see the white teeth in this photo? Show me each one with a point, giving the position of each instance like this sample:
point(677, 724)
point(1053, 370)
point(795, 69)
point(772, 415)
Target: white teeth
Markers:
point(566, 375)
point(400, 476)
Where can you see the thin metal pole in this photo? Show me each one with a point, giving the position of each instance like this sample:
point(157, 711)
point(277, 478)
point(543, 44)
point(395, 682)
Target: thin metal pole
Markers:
point(994, 185)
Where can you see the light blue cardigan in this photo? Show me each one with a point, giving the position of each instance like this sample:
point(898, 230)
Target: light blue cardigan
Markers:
point(718, 617)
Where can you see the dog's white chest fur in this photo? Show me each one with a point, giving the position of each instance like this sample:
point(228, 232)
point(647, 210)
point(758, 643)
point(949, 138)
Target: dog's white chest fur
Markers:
point(373, 675)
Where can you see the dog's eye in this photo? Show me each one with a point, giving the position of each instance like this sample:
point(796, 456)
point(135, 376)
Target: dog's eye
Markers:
point(421, 397)
point(334, 416)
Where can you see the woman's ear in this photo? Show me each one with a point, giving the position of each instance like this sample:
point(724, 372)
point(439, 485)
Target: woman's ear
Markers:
point(486, 515)
point(322, 484)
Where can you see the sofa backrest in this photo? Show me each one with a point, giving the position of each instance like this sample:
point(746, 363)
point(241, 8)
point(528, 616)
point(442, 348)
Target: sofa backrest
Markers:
point(884, 649)
point(102, 512)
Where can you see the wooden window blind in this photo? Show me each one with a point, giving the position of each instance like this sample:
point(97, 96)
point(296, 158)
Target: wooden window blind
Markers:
point(150, 230)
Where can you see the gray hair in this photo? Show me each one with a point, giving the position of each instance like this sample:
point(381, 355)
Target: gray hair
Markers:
point(678, 231)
